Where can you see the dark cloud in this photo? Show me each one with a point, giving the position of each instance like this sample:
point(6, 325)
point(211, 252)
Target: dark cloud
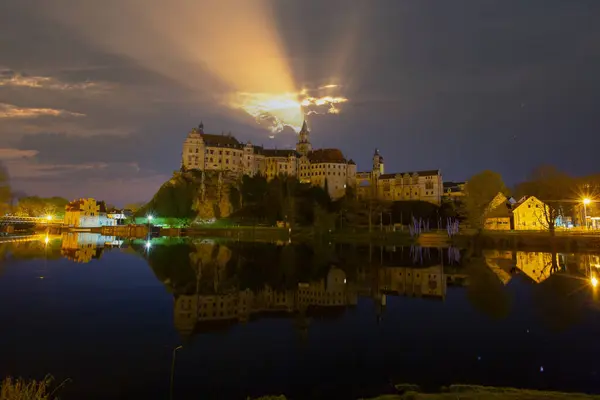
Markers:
point(461, 85)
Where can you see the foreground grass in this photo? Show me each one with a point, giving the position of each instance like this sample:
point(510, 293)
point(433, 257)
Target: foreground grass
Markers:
point(21, 389)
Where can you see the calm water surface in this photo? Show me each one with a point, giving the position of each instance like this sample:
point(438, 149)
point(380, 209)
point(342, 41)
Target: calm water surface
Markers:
point(255, 319)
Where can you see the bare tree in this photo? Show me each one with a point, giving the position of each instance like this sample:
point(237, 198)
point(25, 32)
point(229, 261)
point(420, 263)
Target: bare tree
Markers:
point(555, 189)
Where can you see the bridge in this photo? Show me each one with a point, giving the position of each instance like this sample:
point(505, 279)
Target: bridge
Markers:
point(9, 222)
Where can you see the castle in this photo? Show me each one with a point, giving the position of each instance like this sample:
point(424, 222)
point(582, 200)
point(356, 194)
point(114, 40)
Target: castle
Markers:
point(400, 186)
point(327, 168)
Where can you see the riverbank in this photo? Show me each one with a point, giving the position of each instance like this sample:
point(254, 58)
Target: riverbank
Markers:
point(472, 392)
point(563, 241)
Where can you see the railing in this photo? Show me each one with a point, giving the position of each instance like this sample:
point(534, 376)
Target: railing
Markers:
point(36, 220)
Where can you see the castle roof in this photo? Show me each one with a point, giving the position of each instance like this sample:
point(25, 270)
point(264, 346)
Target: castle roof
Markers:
point(326, 156)
point(431, 172)
point(220, 140)
point(280, 153)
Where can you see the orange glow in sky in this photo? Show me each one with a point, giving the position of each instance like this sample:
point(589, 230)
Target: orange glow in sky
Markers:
point(229, 50)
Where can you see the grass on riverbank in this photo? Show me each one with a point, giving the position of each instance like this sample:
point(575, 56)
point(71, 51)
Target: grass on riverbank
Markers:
point(472, 392)
point(21, 389)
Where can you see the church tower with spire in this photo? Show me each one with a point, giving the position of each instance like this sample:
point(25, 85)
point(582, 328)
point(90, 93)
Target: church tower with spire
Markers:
point(303, 146)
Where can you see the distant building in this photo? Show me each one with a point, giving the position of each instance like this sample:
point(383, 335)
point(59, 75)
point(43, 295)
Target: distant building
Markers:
point(454, 191)
point(529, 213)
point(119, 216)
point(327, 168)
point(410, 185)
point(87, 213)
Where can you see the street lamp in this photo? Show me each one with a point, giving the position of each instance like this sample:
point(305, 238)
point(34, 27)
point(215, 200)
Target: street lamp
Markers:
point(586, 201)
point(150, 218)
point(49, 217)
point(173, 371)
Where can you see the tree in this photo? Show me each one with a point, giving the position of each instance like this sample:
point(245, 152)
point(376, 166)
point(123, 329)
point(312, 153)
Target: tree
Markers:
point(134, 207)
point(555, 189)
point(5, 192)
point(34, 206)
point(479, 191)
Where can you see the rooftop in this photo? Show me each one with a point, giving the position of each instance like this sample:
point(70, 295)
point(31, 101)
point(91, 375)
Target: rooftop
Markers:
point(326, 156)
point(224, 140)
point(431, 172)
point(280, 153)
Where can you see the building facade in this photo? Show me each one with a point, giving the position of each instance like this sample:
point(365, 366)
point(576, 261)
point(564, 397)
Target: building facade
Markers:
point(411, 185)
point(87, 213)
point(530, 214)
point(327, 168)
point(527, 214)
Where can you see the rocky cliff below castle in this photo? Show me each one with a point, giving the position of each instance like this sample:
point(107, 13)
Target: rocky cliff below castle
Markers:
point(194, 196)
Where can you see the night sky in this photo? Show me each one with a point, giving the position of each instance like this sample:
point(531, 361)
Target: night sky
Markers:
point(96, 97)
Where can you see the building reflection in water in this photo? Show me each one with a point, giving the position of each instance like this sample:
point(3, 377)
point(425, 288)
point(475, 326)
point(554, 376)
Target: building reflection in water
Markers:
point(329, 296)
point(83, 247)
point(539, 266)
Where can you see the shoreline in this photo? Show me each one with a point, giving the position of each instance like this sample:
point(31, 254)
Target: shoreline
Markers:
point(509, 240)
point(469, 392)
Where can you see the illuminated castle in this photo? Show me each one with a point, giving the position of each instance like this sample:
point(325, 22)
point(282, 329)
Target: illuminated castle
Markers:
point(327, 168)
point(411, 185)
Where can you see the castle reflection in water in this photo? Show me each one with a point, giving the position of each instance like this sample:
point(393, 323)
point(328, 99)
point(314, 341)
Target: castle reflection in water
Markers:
point(216, 285)
point(329, 296)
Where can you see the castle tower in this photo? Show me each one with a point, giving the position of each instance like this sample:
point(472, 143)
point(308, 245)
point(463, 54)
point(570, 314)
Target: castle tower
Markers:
point(303, 146)
point(377, 164)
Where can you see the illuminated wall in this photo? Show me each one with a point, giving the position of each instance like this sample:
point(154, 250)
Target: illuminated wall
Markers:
point(530, 215)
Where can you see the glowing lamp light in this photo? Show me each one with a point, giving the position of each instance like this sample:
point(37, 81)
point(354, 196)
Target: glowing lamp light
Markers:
point(594, 281)
point(586, 201)
point(49, 217)
point(150, 217)
point(46, 240)
point(148, 244)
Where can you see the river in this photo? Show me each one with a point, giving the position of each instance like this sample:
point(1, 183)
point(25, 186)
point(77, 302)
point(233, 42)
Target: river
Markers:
point(217, 320)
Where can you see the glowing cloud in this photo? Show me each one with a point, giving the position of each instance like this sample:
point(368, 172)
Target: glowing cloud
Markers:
point(11, 111)
point(230, 49)
point(276, 111)
point(10, 78)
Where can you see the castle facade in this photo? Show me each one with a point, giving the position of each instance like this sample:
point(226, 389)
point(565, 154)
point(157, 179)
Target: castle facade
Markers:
point(327, 168)
point(400, 186)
